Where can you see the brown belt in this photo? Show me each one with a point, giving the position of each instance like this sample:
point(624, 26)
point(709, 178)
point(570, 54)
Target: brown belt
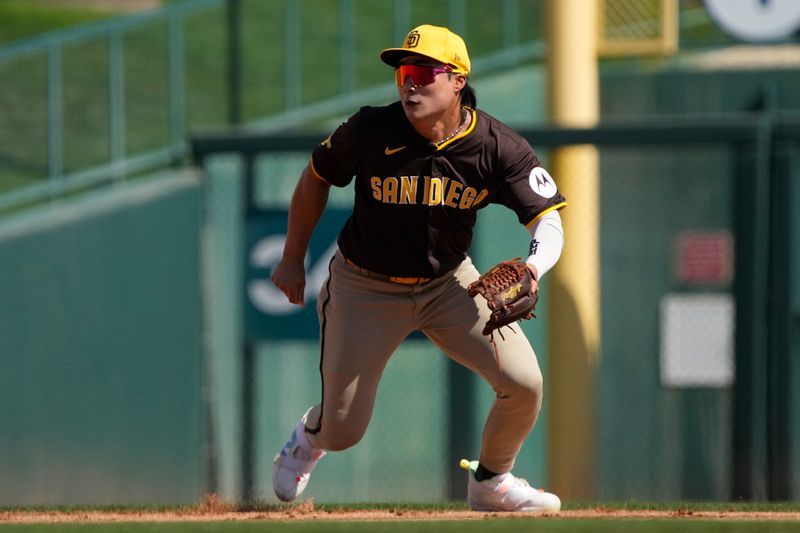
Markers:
point(384, 277)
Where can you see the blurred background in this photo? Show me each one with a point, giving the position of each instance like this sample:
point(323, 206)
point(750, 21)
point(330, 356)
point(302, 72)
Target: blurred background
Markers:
point(148, 152)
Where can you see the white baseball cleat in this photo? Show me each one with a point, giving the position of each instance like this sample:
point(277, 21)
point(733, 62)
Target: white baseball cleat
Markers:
point(291, 468)
point(507, 493)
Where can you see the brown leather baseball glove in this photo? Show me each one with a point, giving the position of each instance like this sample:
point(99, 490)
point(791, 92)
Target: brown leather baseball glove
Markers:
point(511, 292)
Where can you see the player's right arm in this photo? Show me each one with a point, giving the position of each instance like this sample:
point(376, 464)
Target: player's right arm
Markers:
point(308, 202)
point(333, 162)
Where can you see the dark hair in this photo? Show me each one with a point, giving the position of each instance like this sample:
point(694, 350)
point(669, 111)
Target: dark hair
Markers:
point(468, 96)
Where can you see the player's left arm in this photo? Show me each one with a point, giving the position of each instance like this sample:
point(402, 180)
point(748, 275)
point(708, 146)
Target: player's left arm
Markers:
point(528, 189)
point(547, 241)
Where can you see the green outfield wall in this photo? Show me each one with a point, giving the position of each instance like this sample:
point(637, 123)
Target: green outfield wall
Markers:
point(100, 348)
point(739, 441)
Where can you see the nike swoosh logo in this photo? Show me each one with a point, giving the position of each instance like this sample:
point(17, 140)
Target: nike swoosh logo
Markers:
point(390, 151)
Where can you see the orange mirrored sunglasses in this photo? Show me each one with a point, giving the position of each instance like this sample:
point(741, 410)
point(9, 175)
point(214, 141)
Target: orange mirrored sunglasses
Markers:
point(420, 75)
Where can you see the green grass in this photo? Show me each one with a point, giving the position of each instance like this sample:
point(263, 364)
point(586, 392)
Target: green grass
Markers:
point(26, 18)
point(23, 95)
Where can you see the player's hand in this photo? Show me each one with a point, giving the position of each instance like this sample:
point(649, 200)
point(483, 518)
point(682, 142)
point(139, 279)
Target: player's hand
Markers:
point(290, 277)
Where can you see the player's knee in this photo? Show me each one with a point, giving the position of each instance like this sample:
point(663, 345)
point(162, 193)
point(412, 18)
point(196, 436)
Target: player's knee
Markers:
point(528, 391)
point(536, 391)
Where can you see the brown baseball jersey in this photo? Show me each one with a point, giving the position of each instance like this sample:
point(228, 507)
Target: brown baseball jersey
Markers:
point(415, 201)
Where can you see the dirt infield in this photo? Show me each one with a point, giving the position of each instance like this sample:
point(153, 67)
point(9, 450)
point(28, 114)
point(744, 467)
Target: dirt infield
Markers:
point(307, 511)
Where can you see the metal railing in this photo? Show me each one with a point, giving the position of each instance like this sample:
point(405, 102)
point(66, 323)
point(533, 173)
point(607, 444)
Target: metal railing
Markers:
point(108, 36)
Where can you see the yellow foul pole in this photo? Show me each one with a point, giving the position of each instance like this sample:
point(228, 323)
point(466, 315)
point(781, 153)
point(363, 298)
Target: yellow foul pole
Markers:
point(573, 92)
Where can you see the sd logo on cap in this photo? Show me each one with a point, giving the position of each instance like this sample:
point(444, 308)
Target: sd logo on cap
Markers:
point(435, 42)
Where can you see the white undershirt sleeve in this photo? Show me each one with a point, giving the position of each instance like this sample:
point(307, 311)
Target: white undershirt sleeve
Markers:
point(547, 241)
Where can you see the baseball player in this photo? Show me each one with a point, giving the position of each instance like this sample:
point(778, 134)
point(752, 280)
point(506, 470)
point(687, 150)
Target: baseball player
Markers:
point(422, 167)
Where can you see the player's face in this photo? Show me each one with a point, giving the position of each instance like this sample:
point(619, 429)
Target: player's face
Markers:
point(427, 89)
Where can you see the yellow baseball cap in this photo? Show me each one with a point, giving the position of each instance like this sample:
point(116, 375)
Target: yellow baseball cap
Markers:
point(435, 42)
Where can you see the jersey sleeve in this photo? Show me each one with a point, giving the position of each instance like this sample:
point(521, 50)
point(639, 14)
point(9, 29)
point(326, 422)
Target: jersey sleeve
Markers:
point(525, 186)
point(336, 159)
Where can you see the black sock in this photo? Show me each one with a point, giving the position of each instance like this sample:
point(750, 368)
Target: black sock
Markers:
point(483, 473)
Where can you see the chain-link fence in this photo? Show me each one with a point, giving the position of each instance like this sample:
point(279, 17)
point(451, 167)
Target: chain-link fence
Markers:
point(640, 27)
point(93, 104)
point(691, 214)
point(659, 439)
